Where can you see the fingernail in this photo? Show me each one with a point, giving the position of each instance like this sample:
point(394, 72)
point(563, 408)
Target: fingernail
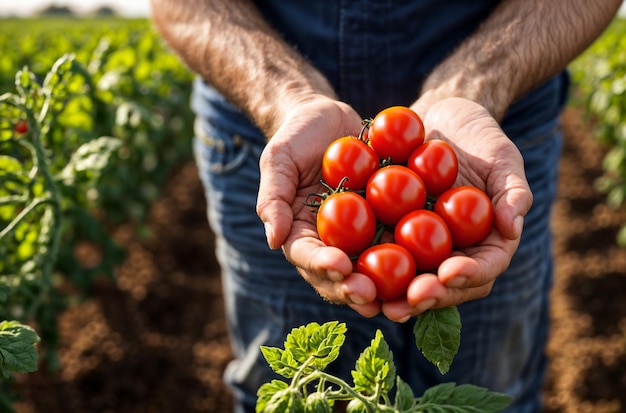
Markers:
point(356, 299)
point(404, 319)
point(335, 276)
point(457, 282)
point(426, 305)
point(518, 225)
point(269, 234)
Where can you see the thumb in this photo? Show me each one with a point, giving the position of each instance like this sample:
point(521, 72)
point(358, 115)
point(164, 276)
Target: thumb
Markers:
point(511, 208)
point(276, 194)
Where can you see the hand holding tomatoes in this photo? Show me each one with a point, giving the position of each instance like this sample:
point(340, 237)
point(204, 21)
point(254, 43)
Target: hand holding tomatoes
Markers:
point(290, 167)
point(427, 216)
point(489, 161)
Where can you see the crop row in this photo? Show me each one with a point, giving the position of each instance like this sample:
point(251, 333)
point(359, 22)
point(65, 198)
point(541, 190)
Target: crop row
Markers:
point(92, 120)
point(600, 78)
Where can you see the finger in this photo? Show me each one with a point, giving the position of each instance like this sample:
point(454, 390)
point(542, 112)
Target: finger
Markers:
point(511, 208)
point(356, 290)
point(480, 265)
point(328, 269)
point(513, 201)
point(277, 189)
point(367, 310)
point(427, 291)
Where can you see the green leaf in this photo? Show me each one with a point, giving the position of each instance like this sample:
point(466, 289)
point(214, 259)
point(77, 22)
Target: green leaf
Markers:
point(375, 368)
point(404, 395)
point(449, 398)
point(438, 335)
point(17, 350)
point(92, 156)
point(266, 392)
point(281, 361)
point(322, 343)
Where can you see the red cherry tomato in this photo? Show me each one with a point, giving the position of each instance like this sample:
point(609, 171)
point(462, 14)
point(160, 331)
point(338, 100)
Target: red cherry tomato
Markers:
point(349, 157)
point(21, 126)
point(468, 212)
point(393, 191)
point(396, 132)
point(346, 221)
point(436, 163)
point(427, 238)
point(390, 266)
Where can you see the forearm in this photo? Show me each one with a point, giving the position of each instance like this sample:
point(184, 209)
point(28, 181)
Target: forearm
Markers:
point(522, 44)
point(231, 46)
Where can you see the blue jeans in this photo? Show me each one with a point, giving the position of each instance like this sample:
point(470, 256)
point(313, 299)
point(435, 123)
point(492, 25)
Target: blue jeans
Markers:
point(503, 335)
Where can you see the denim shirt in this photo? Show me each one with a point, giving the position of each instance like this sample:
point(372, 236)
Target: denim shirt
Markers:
point(376, 53)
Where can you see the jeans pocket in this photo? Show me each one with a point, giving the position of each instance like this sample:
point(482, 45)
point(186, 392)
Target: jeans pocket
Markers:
point(219, 151)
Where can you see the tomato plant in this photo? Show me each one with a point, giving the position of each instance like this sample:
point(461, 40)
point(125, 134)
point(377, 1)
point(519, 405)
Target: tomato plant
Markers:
point(349, 157)
point(599, 75)
point(468, 213)
point(84, 120)
point(427, 238)
point(346, 221)
point(393, 191)
point(377, 385)
point(395, 132)
point(390, 266)
point(436, 163)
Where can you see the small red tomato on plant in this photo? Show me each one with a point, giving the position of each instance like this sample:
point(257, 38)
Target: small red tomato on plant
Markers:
point(436, 163)
point(346, 221)
point(21, 126)
point(468, 213)
point(427, 238)
point(393, 191)
point(349, 157)
point(390, 266)
point(396, 132)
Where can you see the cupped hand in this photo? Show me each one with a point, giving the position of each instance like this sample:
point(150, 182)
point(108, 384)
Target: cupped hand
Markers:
point(490, 161)
point(290, 171)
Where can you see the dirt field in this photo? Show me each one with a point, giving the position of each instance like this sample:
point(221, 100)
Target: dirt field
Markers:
point(154, 340)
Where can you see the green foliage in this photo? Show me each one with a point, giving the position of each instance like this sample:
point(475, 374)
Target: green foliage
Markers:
point(599, 76)
point(17, 348)
point(438, 335)
point(93, 117)
point(309, 349)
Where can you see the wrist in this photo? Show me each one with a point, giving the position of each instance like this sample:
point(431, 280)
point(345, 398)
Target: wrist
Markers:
point(274, 106)
point(487, 88)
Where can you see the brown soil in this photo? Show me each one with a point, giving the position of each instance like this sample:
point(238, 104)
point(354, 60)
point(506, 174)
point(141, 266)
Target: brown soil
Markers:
point(154, 340)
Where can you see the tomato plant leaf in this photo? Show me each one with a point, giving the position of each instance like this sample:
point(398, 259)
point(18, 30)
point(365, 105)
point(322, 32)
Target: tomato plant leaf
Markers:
point(438, 335)
point(449, 398)
point(281, 361)
point(17, 350)
point(92, 156)
point(375, 368)
point(404, 395)
point(267, 391)
point(318, 342)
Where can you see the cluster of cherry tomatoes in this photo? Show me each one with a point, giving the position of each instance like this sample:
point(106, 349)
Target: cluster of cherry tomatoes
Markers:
point(390, 202)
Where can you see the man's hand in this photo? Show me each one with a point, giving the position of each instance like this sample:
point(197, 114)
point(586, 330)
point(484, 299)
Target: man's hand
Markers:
point(490, 161)
point(291, 171)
